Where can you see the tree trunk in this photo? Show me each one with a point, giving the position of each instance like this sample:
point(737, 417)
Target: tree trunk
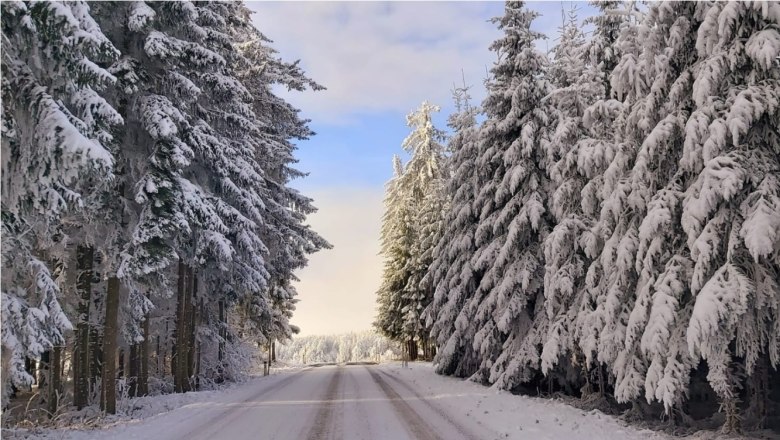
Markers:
point(192, 311)
point(74, 356)
point(758, 388)
point(222, 336)
point(159, 369)
point(28, 367)
point(133, 371)
point(201, 314)
point(55, 380)
point(179, 331)
point(96, 353)
point(733, 422)
point(412, 348)
point(602, 385)
point(267, 359)
point(44, 369)
point(170, 346)
point(587, 389)
point(143, 376)
point(84, 256)
point(120, 372)
point(181, 381)
point(110, 330)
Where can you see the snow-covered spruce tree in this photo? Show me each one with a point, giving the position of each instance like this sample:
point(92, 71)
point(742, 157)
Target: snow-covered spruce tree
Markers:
point(56, 149)
point(661, 262)
point(225, 165)
point(640, 206)
point(653, 357)
point(596, 149)
point(214, 192)
point(395, 241)
point(601, 53)
point(420, 185)
point(452, 277)
point(288, 239)
point(431, 223)
point(731, 210)
point(514, 219)
point(570, 163)
point(610, 278)
point(172, 216)
point(414, 203)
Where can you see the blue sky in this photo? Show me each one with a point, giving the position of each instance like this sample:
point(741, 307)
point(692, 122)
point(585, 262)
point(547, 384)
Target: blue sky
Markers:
point(378, 61)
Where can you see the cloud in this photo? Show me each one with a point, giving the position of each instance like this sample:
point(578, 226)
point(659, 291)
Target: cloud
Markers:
point(337, 289)
point(376, 57)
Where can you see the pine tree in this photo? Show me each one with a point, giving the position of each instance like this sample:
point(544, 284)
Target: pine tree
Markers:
point(57, 150)
point(420, 185)
point(410, 229)
point(450, 273)
point(513, 217)
point(610, 278)
point(288, 238)
point(395, 242)
point(152, 154)
point(570, 164)
point(598, 148)
point(729, 212)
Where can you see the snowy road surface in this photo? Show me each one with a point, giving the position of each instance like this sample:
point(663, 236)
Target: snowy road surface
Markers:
point(368, 402)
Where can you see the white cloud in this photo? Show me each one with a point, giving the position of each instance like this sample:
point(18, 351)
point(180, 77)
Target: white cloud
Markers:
point(377, 57)
point(337, 288)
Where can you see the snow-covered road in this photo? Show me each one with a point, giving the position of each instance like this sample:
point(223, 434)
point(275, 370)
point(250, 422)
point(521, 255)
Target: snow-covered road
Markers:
point(368, 402)
point(329, 402)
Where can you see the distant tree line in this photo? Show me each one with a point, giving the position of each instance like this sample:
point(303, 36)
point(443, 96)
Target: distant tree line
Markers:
point(365, 346)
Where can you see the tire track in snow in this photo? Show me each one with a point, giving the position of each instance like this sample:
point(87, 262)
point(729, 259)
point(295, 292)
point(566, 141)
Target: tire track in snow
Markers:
point(363, 420)
point(323, 426)
point(214, 423)
point(414, 423)
point(465, 432)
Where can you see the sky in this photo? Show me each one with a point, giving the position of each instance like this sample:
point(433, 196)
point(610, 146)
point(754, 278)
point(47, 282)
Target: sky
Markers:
point(378, 62)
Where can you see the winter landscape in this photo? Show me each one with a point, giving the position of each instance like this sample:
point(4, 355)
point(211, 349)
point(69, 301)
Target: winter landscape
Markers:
point(380, 220)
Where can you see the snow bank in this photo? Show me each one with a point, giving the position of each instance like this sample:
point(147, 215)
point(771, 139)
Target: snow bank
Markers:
point(513, 416)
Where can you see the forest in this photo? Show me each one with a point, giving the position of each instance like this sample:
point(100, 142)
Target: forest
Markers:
point(366, 346)
point(605, 225)
point(149, 231)
point(602, 229)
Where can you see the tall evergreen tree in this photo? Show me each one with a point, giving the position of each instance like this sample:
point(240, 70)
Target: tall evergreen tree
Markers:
point(514, 218)
point(288, 239)
point(395, 248)
point(56, 149)
point(420, 184)
point(411, 227)
point(566, 248)
point(598, 149)
point(730, 210)
point(451, 275)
